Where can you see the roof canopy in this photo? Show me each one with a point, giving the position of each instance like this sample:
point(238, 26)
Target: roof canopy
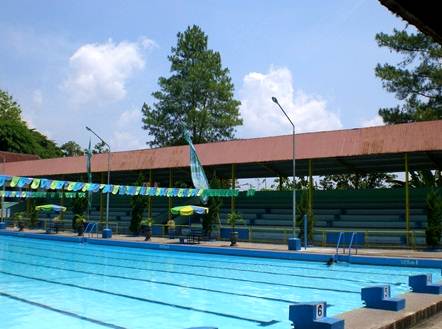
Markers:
point(375, 149)
point(422, 14)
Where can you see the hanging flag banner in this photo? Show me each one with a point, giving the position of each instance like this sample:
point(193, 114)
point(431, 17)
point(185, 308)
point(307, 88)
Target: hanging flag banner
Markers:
point(80, 187)
point(199, 178)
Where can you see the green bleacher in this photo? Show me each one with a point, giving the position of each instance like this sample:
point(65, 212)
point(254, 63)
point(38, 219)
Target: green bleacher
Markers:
point(379, 213)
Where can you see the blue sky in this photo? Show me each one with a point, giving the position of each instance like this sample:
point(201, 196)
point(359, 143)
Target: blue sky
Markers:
point(76, 63)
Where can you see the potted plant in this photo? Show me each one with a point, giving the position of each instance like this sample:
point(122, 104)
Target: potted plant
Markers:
point(19, 220)
point(80, 222)
point(146, 227)
point(233, 219)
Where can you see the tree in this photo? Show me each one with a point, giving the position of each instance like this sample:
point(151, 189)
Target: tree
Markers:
point(197, 97)
point(355, 181)
point(9, 109)
point(71, 149)
point(100, 147)
point(416, 80)
point(15, 136)
point(138, 203)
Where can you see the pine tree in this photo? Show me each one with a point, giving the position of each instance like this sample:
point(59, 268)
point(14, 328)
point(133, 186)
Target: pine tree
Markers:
point(198, 96)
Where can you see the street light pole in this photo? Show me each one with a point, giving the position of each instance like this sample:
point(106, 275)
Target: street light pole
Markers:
point(275, 100)
point(107, 232)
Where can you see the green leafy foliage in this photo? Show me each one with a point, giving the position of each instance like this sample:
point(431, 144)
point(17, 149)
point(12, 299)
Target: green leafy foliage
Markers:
point(79, 207)
point(433, 231)
point(234, 218)
point(211, 220)
point(71, 149)
point(197, 97)
point(355, 181)
point(416, 80)
point(302, 209)
point(15, 136)
point(9, 109)
point(138, 203)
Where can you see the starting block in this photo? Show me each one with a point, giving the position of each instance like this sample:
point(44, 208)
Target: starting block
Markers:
point(423, 283)
point(313, 316)
point(379, 297)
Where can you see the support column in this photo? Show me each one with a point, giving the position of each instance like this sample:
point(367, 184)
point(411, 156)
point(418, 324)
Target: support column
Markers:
point(62, 201)
point(310, 192)
point(101, 200)
point(149, 200)
point(169, 215)
point(407, 199)
point(232, 199)
point(280, 183)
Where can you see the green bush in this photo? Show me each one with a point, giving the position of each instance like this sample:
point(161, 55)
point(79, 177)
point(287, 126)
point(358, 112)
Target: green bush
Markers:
point(301, 211)
point(434, 218)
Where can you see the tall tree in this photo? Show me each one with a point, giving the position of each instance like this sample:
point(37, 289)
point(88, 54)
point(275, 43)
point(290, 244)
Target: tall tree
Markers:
point(416, 80)
point(198, 96)
point(15, 136)
point(71, 149)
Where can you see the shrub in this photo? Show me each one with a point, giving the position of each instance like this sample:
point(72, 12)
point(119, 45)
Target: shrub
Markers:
point(434, 218)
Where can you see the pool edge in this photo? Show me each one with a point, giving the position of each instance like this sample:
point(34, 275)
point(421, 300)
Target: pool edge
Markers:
point(288, 255)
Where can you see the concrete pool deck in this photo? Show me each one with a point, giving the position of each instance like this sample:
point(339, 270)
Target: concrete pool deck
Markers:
point(419, 307)
point(373, 252)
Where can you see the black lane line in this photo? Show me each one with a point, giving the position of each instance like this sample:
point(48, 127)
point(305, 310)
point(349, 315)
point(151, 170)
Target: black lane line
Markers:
point(327, 269)
point(190, 274)
point(141, 299)
point(224, 268)
point(149, 281)
point(67, 313)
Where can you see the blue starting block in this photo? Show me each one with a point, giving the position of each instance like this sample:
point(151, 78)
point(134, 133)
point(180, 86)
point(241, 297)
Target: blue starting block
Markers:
point(423, 283)
point(380, 297)
point(313, 316)
point(2, 225)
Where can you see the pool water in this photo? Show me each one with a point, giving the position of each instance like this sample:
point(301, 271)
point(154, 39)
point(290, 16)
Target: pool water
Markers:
point(47, 284)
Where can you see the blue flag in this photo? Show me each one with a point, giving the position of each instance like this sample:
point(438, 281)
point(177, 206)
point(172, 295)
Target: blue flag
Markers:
point(199, 178)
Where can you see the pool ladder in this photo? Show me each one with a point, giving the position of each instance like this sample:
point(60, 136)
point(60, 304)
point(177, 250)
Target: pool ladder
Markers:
point(350, 245)
point(90, 227)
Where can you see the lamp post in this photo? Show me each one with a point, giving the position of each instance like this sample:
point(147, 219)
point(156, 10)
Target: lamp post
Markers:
point(275, 100)
point(107, 232)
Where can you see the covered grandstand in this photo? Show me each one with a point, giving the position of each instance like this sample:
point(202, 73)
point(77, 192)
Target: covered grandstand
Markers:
point(385, 216)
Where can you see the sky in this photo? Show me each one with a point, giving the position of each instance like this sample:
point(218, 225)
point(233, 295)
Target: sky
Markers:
point(75, 63)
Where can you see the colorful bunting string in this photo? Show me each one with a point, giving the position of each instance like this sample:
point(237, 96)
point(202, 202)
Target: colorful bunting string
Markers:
point(61, 185)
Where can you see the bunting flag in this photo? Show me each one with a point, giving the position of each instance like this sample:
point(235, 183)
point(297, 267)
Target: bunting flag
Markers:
point(199, 178)
point(77, 188)
point(33, 194)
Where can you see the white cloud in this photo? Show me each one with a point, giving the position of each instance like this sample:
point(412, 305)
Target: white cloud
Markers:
point(262, 117)
point(127, 135)
point(375, 121)
point(99, 72)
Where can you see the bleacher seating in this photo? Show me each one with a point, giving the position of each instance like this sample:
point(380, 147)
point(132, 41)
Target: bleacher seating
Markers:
point(268, 214)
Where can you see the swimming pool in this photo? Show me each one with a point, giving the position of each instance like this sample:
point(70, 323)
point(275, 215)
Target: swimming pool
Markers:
point(47, 284)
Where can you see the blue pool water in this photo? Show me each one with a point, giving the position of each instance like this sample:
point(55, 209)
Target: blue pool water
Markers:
point(46, 284)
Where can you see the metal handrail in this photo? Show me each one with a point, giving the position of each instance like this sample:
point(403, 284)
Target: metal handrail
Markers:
point(338, 243)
